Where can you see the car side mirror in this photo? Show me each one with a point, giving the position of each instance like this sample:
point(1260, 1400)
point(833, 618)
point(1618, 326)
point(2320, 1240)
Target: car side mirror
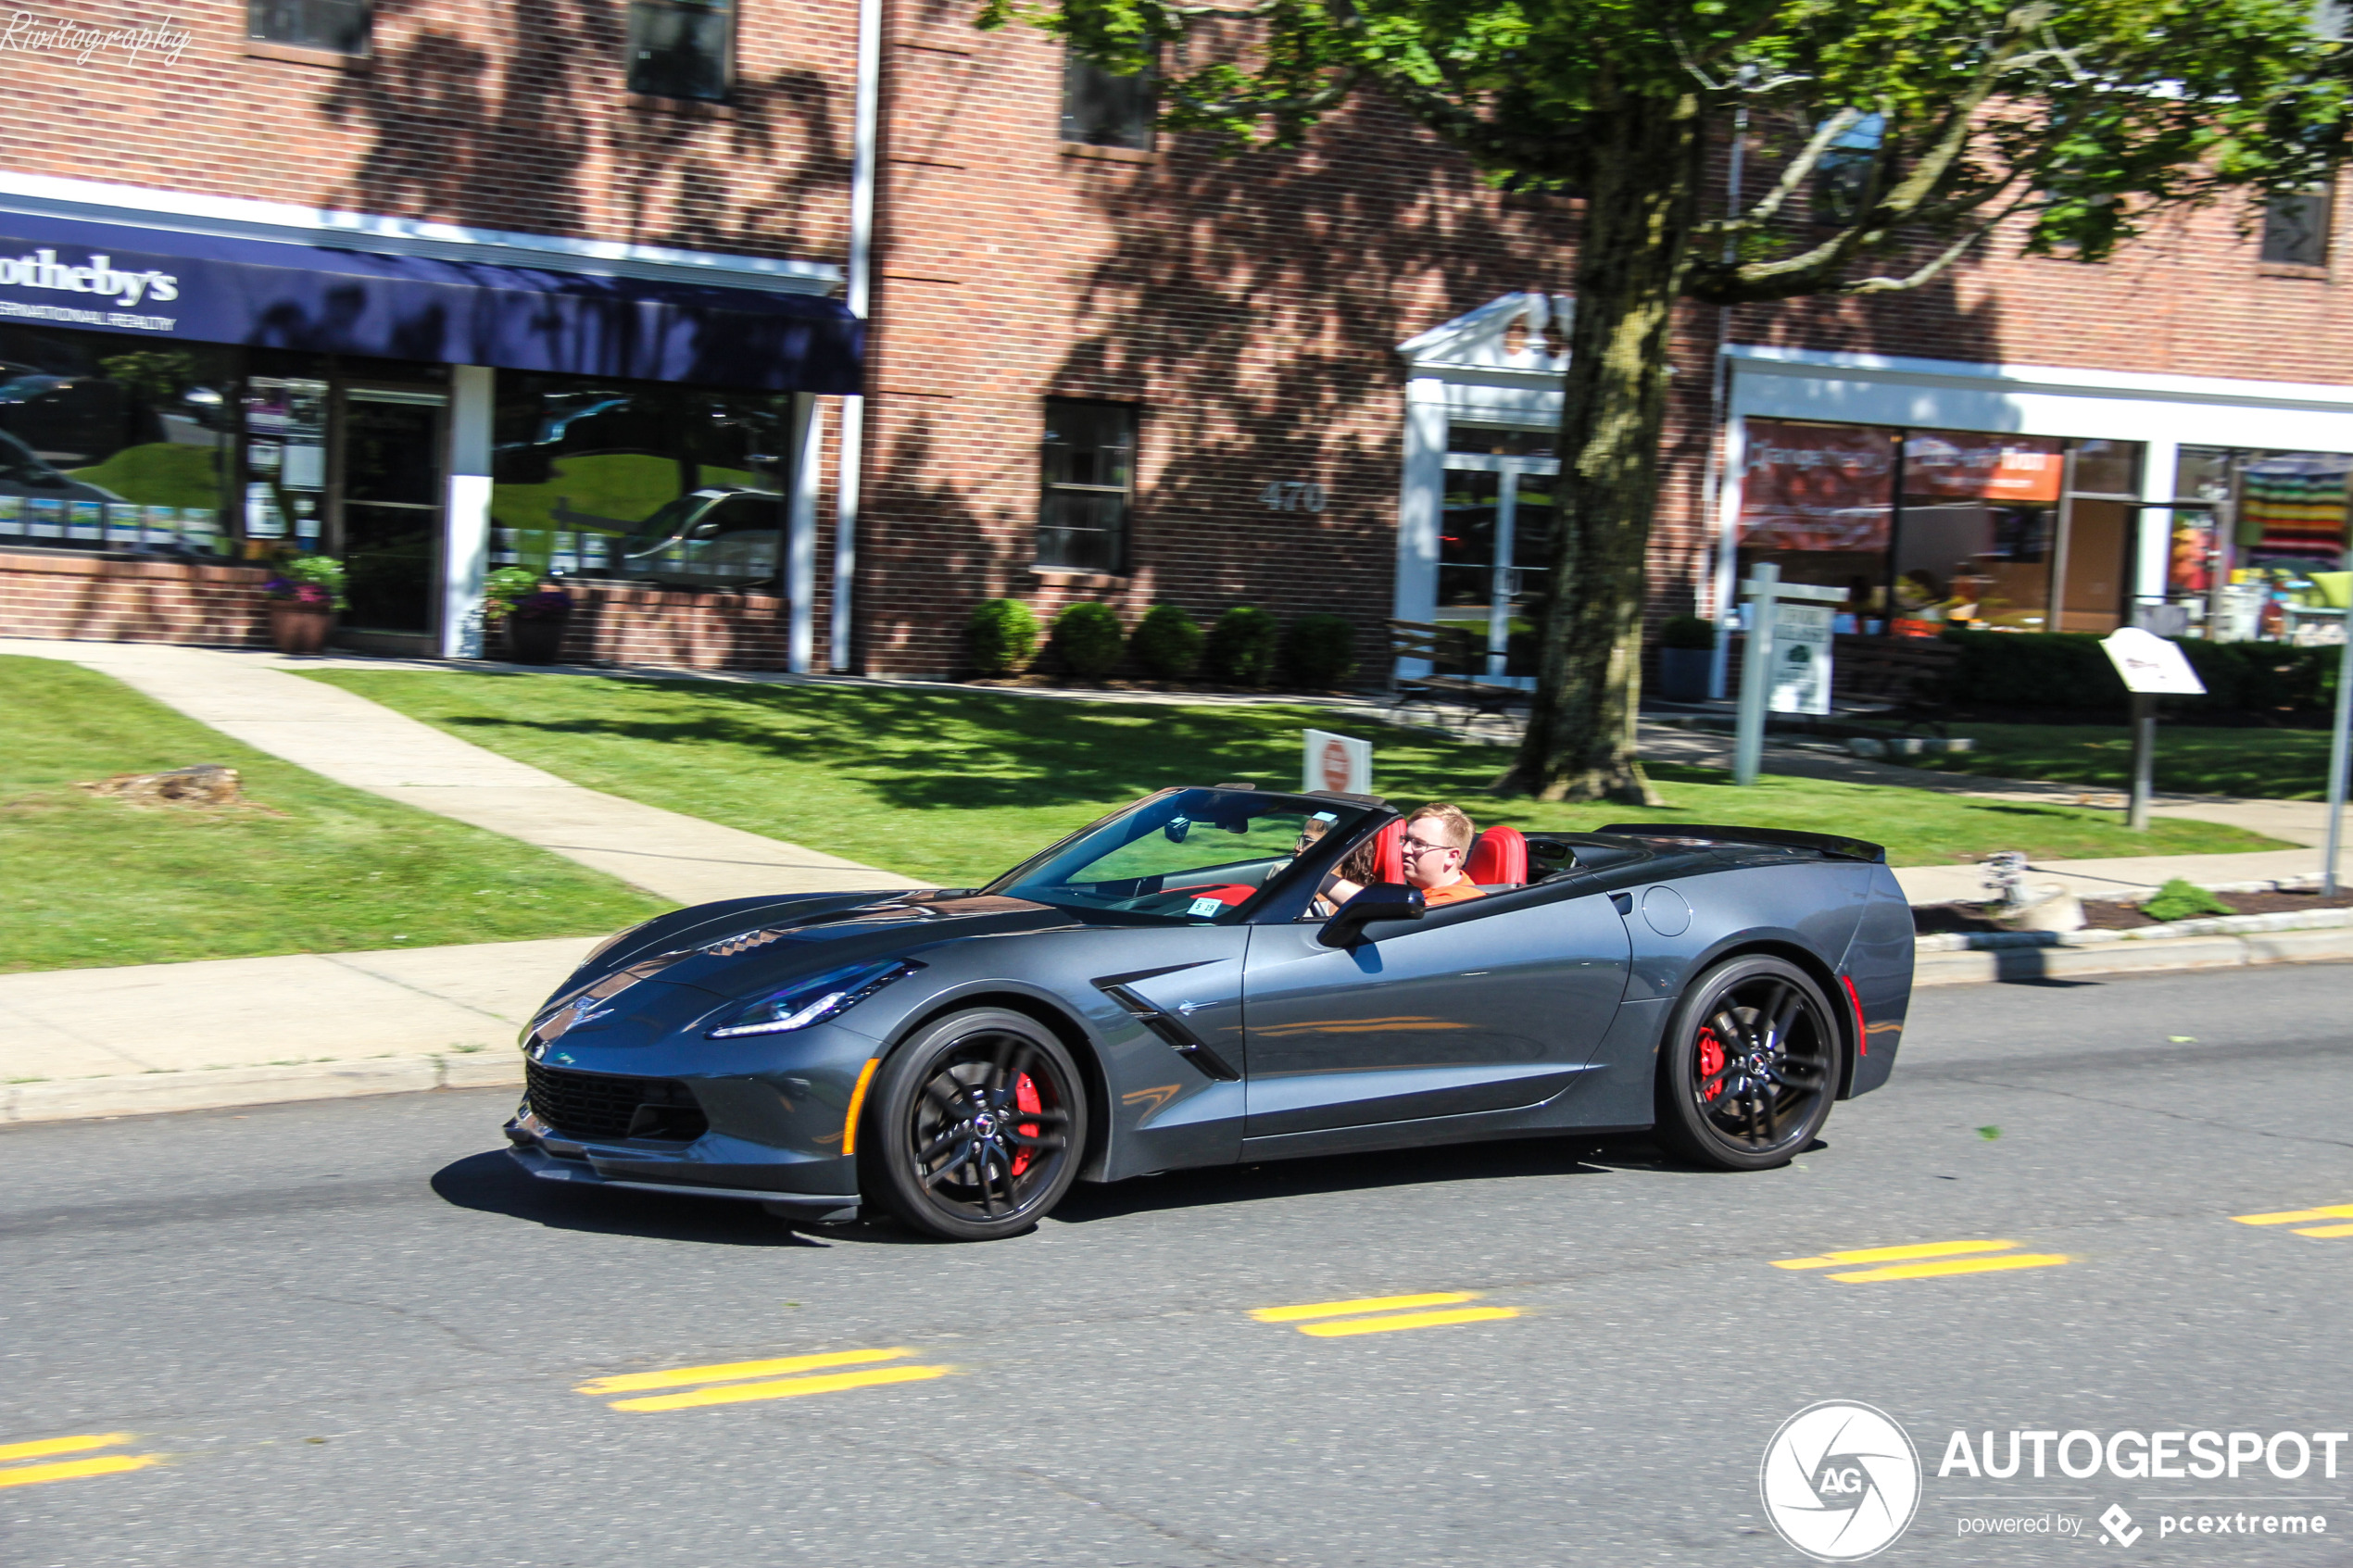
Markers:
point(1383, 900)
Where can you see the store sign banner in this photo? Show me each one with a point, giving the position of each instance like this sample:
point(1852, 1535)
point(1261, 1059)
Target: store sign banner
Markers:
point(1815, 487)
point(1949, 465)
point(101, 277)
point(1801, 670)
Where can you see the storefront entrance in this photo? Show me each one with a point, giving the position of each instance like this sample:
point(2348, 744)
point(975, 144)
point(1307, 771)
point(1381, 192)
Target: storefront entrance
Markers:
point(1494, 541)
point(353, 466)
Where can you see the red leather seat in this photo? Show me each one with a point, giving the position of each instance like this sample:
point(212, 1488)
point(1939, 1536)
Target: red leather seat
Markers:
point(1389, 853)
point(1497, 858)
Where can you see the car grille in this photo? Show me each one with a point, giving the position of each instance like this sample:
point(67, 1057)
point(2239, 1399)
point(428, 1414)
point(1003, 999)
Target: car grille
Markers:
point(594, 1105)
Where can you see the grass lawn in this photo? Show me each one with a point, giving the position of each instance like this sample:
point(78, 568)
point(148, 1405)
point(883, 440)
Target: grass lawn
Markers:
point(2271, 764)
point(323, 869)
point(958, 787)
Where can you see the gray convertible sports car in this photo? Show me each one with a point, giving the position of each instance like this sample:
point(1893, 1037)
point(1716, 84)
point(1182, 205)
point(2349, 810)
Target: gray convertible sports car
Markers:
point(1160, 991)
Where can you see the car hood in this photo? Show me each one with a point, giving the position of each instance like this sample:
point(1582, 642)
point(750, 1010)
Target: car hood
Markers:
point(749, 946)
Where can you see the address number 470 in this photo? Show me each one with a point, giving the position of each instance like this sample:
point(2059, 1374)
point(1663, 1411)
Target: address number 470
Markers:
point(1293, 496)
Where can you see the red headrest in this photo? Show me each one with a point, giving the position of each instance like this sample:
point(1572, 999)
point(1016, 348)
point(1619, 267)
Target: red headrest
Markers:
point(1389, 857)
point(1497, 856)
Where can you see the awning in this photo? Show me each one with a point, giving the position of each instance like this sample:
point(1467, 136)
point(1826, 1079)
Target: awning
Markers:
point(206, 288)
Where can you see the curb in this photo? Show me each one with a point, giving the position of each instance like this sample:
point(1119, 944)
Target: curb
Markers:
point(221, 1088)
point(2178, 954)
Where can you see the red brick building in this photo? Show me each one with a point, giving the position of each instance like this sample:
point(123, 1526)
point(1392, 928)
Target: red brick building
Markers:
point(450, 287)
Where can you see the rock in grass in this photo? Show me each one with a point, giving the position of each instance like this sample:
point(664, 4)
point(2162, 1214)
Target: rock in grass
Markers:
point(207, 784)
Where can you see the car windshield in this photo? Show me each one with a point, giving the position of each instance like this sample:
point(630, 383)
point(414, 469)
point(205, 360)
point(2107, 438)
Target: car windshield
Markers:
point(1194, 856)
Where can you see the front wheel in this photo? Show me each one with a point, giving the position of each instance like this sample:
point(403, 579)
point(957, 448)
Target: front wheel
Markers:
point(1749, 1066)
point(976, 1127)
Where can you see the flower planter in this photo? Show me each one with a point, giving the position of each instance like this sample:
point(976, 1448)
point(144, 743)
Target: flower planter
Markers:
point(1683, 673)
point(534, 642)
point(299, 628)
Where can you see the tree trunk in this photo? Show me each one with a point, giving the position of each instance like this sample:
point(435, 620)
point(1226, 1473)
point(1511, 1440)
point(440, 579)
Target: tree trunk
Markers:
point(1638, 220)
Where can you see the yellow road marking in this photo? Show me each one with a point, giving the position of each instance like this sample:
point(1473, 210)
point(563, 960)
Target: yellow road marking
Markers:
point(1407, 1319)
point(1957, 1266)
point(49, 1446)
point(110, 1464)
point(739, 1393)
point(680, 1377)
point(2334, 1211)
point(1893, 1254)
point(2327, 1230)
point(1362, 1304)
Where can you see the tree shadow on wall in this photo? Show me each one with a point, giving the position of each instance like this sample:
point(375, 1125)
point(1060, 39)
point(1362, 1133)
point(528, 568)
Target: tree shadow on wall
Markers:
point(498, 136)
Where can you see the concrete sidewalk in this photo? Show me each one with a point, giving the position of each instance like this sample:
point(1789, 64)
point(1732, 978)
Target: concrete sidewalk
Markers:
point(188, 1036)
point(252, 697)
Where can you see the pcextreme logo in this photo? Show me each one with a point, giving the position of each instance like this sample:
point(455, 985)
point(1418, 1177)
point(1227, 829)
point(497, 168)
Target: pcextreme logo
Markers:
point(1840, 1481)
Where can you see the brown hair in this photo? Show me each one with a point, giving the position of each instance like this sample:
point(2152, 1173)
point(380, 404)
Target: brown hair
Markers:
point(1459, 831)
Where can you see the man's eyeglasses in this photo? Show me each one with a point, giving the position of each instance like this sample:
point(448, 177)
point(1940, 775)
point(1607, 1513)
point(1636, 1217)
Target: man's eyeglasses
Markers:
point(1415, 847)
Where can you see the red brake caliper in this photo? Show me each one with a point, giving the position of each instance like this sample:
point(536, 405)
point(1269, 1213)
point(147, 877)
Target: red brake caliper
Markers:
point(1025, 1098)
point(1711, 1062)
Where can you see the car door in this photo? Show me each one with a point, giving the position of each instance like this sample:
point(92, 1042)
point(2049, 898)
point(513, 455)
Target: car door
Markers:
point(1490, 1005)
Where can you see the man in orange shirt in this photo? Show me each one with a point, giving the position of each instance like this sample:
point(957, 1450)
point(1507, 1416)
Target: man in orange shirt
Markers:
point(1438, 839)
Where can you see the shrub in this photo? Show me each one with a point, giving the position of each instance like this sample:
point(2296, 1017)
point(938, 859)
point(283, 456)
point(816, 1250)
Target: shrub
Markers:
point(1168, 643)
point(1687, 632)
point(1241, 646)
point(2068, 670)
point(2182, 899)
point(1089, 638)
point(1320, 650)
point(1003, 635)
point(503, 588)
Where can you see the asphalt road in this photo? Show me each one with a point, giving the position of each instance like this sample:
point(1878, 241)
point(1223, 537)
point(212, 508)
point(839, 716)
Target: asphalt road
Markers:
point(351, 1334)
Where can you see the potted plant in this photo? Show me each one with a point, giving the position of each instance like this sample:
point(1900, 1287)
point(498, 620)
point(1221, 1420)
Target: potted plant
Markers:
point(534, 623)
point(1686, 649)
point(304, 594)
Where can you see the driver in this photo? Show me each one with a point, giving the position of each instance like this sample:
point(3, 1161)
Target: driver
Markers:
point(1438, 839)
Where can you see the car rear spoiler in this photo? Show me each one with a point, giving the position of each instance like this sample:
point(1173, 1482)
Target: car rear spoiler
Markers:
point(1781, 838)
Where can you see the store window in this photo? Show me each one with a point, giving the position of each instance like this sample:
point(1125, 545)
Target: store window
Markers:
point(2264, 556)
point(1980, 515)
point(668, 485)
point(1105, 108)
point(1818, 501)
point(681, 48)
point(1927, 528)
point(1087, 471)
point(2296, 227)
point(114, 444)
point(338, 26)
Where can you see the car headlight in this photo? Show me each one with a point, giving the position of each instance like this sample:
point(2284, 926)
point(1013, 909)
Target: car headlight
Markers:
point(814, 999)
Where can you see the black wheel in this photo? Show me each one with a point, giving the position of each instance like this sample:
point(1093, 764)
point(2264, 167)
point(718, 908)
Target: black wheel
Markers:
point(1749, 1066)
point(976, 1127)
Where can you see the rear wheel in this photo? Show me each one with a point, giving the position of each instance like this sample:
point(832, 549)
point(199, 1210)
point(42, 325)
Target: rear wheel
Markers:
point(976, 1127)
point(1749, 1066)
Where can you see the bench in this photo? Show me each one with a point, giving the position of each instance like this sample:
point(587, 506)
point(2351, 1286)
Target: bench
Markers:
point(1446, 645)
point(1906, 678)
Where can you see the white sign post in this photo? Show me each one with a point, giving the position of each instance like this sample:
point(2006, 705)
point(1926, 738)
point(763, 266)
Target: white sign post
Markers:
point(1787, 665)
point(1340, 764)
point(2152, 668)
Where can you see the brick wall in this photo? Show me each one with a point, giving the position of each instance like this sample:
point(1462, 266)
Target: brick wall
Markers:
point(685, 631)
point(508, 117)
point(89, 599)
point(1251, 306)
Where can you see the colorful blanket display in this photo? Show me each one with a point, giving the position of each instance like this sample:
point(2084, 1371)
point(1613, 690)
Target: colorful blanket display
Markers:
point(2294, 506)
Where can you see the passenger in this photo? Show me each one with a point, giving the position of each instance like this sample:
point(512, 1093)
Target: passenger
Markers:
point(1438, 839)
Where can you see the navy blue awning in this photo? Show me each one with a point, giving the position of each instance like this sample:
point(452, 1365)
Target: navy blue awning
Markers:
point(206, 288)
